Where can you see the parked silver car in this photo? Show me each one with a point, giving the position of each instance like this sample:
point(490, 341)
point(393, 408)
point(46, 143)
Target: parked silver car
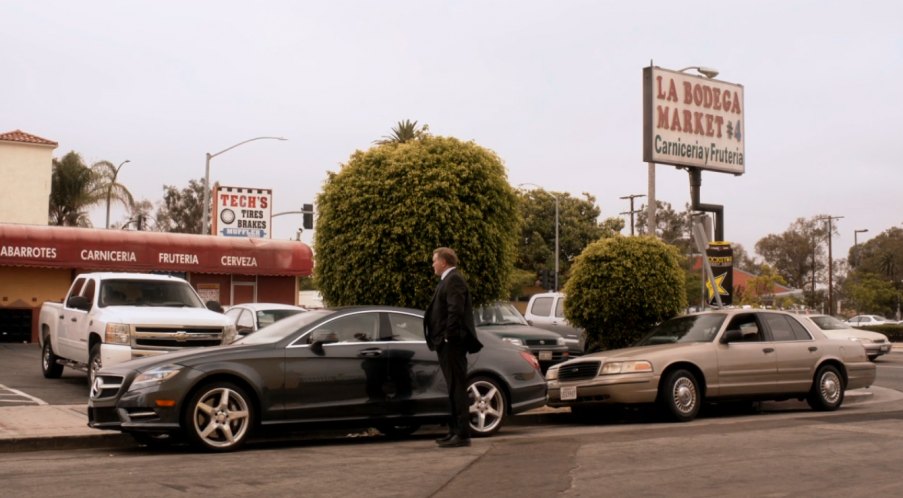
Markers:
point(875, 343)
point(717, 355)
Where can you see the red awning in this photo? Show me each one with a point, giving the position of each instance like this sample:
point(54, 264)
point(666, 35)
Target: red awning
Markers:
point(93, 249)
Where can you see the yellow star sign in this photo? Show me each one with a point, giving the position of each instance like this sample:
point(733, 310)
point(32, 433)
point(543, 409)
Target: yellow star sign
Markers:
point(719, 281)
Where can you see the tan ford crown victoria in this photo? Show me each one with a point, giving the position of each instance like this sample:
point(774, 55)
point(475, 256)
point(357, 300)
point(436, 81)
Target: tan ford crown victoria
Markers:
point(717, 355)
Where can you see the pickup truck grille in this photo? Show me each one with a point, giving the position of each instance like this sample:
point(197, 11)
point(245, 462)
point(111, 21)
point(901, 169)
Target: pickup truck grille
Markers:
point(176, 337)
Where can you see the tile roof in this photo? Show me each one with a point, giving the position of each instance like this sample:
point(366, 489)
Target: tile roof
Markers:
point(21, 136)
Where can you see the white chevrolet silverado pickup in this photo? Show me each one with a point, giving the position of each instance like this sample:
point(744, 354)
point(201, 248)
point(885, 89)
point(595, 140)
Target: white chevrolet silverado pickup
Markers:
point(108, 318)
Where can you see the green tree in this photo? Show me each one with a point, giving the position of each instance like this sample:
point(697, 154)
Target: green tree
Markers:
point(871, 293)
point(878, 260)
point(760, 289)
point(883, 255)
point(404, 131)
point(622, 286)
point(578, 226)
point(382, 215)
point(182, 210)
point(797, 254)
point(671, 227)
point(106, 183)
point(73, 189)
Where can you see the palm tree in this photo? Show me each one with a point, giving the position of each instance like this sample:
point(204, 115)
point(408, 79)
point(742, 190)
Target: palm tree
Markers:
point(105, 181)
point(73, 189)
point(404, 131)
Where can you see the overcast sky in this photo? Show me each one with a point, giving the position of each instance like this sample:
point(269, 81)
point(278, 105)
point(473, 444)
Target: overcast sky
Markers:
point(554, 88)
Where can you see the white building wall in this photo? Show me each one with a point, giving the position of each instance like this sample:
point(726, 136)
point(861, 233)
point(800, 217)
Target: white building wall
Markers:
point(25, 172)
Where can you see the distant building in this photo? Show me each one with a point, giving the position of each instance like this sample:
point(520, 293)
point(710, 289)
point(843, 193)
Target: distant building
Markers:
point(26, 167)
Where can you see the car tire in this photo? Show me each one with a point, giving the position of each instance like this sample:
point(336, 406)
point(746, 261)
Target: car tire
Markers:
point(219, 417)
point(95, 363)
point(49, 367)
point(827, 390)
point(487, 406)
point(152, 440)
point(398, 431)
point(679, 396)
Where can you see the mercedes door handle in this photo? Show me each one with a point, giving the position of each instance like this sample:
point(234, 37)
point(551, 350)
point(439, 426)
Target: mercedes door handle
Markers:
point(768, 350)
point(813, 349)
point(371, 353)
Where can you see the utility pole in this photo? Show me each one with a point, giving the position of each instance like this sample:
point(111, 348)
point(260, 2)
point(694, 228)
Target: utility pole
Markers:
point(830, 219)
point(631, 212)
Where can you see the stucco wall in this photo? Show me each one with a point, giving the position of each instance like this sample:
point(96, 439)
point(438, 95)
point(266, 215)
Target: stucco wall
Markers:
point(26, 170)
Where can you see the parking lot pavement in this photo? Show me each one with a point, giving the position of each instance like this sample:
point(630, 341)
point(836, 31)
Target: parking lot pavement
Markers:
point(51, 427)
point(14, 397)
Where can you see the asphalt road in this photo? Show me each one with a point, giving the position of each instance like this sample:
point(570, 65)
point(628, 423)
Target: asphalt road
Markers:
point(793, 452)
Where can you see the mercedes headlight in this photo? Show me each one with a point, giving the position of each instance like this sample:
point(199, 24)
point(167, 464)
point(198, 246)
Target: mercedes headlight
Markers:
point(552, 373)
point(116, 333)
point(561, 341)
point(154, 376)
point(624, 367)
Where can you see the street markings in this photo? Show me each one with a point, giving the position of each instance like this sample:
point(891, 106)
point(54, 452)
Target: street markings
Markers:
point(14, 397)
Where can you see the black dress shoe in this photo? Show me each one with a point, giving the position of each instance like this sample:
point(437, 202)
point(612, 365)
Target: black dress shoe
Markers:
point(455, 442)
point(444, 438)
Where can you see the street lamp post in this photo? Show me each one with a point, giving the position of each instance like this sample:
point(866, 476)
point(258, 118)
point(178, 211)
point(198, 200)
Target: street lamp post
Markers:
point(830, 219)
point(856, 243)
point(206, 222)
point(631, 212)
point(110, 189)
point(556, 228)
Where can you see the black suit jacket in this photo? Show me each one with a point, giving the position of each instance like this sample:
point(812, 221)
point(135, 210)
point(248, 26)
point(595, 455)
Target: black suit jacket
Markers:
point(450, 315)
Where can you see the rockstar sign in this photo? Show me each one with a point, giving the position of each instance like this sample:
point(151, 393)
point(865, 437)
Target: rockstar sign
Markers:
point(721, 259)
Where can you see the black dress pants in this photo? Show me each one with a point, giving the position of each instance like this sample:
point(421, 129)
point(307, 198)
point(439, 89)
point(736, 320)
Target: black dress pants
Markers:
point(453, 362)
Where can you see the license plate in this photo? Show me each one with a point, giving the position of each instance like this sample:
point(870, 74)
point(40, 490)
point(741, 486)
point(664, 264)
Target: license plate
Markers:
point(568, 392)
point(545, 355)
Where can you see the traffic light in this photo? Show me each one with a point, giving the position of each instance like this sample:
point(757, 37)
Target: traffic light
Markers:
point(307, 213)
point(545, 276)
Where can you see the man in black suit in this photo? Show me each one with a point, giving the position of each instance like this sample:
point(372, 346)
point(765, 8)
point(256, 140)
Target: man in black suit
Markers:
point(450, 331)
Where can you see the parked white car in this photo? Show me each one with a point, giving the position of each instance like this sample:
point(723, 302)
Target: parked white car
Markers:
point(875, 343)
point(863, 320)
point(546, 311)
point(250, 317)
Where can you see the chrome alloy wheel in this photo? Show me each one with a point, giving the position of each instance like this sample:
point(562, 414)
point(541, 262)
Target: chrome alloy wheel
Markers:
point(487, 406)
point(221, 418)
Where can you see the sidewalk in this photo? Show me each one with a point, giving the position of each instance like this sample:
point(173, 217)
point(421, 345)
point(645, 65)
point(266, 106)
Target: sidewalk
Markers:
point(57, 427)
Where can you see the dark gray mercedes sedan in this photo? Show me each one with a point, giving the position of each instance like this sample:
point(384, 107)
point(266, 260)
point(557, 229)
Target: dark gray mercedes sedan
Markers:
point(349, 367)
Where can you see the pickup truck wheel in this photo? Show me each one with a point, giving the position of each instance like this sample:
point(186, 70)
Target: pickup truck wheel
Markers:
point(49, 366)
point(94, 363)
point(219, 417)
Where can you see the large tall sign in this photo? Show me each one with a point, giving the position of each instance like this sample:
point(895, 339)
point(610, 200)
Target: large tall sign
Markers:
point(693, 121)
point(243, 212)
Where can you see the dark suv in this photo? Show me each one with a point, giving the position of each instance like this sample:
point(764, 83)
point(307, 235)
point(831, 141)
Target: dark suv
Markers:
point(504, 321)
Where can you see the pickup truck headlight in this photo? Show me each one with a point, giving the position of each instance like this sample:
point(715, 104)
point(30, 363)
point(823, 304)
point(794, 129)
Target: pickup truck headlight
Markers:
point(230, 334)
point(117, 333)
point(154, 376)
point(561, 341)
point(552, 373)
point(623, 367)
